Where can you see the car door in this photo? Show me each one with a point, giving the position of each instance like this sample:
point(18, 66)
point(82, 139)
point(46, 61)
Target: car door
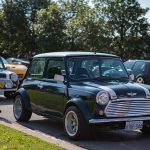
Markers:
point(46, 94)
point(53, 91)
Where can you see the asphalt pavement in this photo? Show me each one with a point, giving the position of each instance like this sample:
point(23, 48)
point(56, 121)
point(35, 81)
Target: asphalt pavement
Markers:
point(52, 131)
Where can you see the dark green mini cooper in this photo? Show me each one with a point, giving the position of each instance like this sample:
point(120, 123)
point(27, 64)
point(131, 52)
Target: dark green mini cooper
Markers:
point(83, 89)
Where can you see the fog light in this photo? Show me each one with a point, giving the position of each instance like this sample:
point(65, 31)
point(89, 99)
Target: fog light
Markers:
point(101, 112)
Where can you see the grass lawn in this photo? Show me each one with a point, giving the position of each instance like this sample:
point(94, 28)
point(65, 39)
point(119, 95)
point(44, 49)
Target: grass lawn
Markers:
point(11, 139)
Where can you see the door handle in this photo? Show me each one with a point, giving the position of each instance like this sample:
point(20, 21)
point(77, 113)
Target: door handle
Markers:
point(40, 86)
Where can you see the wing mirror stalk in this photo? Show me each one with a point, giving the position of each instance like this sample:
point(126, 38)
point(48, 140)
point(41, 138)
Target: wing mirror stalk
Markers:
point(132, 77)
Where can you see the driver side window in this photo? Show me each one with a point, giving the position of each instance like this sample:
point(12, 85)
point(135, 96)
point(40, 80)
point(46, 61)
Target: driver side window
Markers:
point(54, 67)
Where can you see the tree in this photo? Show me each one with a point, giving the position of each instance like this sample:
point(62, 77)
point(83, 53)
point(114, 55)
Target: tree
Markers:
point(31, 7)
point(125, 21)
point(84, 31)
point(15, 29)
point(49, 29)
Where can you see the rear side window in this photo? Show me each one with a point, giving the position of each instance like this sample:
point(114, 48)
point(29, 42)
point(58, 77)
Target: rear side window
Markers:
point(37, 68)
point(139, 67)
point(129, 64)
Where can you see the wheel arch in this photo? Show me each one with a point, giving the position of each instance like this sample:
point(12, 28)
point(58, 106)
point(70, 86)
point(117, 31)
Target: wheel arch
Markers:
point(25, 97)
point(81, 105)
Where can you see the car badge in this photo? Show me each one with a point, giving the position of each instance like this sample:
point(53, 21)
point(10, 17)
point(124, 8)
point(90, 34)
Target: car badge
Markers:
point(131, 94)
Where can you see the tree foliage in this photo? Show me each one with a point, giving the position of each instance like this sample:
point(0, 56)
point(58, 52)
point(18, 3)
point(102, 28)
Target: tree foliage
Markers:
point(15, 30)
point(50, 29)
point(111, 26)
point(126, 23)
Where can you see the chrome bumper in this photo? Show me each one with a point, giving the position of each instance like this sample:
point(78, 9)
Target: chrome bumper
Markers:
point(5, 90)
point(109, 120)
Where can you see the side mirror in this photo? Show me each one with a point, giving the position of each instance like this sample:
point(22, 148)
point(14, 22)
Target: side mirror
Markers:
point(131, 77)
point(7, 67)
point(59, 78)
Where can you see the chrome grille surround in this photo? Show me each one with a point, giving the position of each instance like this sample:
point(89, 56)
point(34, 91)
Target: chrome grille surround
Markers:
point(128, 107)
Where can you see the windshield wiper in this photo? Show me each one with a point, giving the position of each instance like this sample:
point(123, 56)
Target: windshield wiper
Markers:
point(104, 78)
point(110, 78)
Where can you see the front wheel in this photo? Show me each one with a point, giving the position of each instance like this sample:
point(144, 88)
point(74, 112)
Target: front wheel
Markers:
point(21, 113)
point(74, 124)
point(9, 94)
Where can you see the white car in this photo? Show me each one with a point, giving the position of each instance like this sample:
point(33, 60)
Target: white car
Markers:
point(8, 81)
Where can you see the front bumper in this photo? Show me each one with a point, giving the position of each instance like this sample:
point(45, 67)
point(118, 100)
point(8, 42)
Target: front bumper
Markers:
point(112, 120)
point(7, 90)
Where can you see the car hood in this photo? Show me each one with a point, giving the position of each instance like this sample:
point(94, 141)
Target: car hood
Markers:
point(120, 89)
point(16, 67)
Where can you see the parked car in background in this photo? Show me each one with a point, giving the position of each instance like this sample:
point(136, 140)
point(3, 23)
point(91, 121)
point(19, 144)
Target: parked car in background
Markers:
point(140, 69)
point(20, 70)
point(83, 89)
point(18, 61)
point(8, 81)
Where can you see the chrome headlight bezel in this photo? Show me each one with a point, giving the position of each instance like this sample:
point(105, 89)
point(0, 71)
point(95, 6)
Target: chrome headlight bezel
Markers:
point(9, 85)
point(14, 77)
point(102, 98)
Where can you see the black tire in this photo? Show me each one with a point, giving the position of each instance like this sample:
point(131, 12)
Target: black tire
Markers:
point(146, 129)
point(9, 94)
point(82, 129)
point(24, 114)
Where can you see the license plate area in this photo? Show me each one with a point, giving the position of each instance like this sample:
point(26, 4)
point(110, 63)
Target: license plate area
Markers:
point(134, 125)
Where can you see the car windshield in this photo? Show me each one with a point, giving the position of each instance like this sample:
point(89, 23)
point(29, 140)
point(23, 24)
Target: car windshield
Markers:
point(1, 64)
point(96, 68)
point(4, 60)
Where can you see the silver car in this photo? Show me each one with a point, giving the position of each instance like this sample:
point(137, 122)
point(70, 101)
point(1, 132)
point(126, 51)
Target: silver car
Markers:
point(8, 81)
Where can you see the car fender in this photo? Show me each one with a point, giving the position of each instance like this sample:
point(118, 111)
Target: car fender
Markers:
point(138, 75)
point(25, 97)
point(81, 105)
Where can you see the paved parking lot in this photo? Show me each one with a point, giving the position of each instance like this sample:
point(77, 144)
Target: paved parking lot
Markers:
point(100, 140)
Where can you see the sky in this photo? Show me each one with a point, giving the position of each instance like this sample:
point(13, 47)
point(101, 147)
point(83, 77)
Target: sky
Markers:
point(145, 4)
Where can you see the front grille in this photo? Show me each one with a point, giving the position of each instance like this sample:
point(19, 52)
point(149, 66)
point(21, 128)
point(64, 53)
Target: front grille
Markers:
point(128, 108)
point(2, 75)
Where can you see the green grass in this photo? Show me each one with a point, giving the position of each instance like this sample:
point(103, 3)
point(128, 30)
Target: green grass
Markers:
point(11, 139)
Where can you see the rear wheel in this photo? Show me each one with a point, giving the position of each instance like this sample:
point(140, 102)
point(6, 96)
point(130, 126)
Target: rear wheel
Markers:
point(74, 124)
point(21, 113)
point(140, 80)
point(9, 94)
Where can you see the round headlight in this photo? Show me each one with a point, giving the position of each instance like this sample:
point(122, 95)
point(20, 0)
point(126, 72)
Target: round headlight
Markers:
point(8, 85)
point(102, 98)
point(14, 77)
